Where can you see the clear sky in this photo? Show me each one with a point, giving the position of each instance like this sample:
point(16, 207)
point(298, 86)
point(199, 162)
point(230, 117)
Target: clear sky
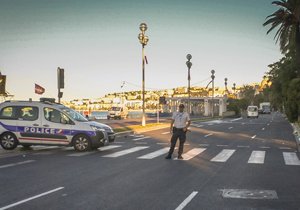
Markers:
point(96, 42)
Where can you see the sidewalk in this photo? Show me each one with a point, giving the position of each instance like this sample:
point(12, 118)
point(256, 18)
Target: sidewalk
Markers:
point(151, 127)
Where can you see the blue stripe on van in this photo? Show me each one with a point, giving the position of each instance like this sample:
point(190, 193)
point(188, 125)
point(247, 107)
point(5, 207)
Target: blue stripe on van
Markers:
point(27, 129)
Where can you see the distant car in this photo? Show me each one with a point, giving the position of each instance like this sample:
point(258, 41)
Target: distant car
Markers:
point(266, 110)
point(252, 111)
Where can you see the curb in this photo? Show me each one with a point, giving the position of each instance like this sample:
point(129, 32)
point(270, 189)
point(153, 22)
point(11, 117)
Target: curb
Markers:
point(296, 133)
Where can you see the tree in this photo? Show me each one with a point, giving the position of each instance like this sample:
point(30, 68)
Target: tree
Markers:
point(287, 18)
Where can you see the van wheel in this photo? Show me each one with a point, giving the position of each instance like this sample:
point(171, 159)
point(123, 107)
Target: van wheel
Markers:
point(81, 143)
point(8, 141)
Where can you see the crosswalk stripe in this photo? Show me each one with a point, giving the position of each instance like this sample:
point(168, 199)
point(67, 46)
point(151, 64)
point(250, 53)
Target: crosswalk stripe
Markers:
point(192, 153)
point(290, 158)
point(257, 157)
point(155, 154)
point(80, 154)
point(223, 156)
point(109, 147)
point(125, 152)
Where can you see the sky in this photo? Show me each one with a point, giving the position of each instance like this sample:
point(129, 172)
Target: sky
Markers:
point(96, 42)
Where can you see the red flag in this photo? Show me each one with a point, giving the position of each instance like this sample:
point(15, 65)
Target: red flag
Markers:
point(146, 59)
point(39, 89)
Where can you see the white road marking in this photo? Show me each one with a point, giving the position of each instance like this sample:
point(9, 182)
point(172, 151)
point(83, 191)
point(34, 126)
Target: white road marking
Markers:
point(31, 198)
point(162, 143)
point(236, 119)
point(192, 153)
point(253, 137)
point(222, 145)
point(80, 154)
point(208, 135)
point(126, 151)
point(223, 156)
point(155, 154)
point(249, 194)
point(243, 123)
point(166, 133)
point(257, 157)
point(187, 200)
point(210, 124)
point(263, 147)
point(243, 146)
point(16, 164)
point(109, 147)
point(138, 136)
point(230, 128)
point(263, 129)
point(290, 158)
point(284, 148)
point(145, 137)
point(204, 145)
point(268, 124)
point(141, 143)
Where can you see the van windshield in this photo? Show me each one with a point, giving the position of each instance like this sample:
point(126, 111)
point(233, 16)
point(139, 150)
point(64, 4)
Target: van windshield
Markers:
point(115, 108)
point(74, 115)
point(252, 109)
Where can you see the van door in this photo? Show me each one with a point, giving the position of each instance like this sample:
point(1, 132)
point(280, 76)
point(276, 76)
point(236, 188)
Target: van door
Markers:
point(28, 124)
point(56, 127)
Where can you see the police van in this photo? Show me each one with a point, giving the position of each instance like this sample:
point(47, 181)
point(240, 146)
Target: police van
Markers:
point(45, 122)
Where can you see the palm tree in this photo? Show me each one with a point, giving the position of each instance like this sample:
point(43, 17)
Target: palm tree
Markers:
point(287, 18)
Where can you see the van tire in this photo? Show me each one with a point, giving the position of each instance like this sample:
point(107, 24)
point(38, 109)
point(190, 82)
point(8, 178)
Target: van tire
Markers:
point(8, 141)
point(81, 143)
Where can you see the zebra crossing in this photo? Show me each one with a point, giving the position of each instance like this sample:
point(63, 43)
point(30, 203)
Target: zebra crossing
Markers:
point(222, 156)
point(290, 158)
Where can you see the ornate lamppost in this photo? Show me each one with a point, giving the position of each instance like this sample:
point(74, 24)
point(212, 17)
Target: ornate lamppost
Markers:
point(213, 91)
point(143, 40)
point(189, 65)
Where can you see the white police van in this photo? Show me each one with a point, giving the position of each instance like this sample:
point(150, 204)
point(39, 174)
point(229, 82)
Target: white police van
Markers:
point(45, 122)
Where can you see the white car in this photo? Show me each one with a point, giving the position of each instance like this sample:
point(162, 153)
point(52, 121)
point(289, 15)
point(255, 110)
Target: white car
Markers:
point(47, 123)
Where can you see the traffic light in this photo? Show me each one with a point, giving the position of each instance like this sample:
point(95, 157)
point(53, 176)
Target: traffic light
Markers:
point(60, 78)
point(162, 100)
point(2, 84)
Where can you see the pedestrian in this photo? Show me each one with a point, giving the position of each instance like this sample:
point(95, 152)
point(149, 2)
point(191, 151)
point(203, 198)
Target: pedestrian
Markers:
point(179, 126)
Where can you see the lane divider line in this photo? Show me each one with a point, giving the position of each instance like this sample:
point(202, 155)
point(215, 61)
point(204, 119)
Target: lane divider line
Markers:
point(16, 164)
point(31, 198)
point(187, 200)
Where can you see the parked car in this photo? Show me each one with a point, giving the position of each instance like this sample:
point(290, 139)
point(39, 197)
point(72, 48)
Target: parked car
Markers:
point(47, 123)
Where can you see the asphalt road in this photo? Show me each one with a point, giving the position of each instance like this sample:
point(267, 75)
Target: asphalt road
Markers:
point(228, 164)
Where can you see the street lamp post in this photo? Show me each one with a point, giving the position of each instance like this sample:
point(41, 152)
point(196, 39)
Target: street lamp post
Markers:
point(226, 90)
point(213, 91)
point(143, 40)
point(189, 65)
point(234, 88)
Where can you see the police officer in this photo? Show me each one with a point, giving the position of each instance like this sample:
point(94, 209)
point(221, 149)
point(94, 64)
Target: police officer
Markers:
point(179, 125)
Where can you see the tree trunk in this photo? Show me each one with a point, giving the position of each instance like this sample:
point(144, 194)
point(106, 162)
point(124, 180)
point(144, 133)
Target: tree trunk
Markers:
point(298, 48)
